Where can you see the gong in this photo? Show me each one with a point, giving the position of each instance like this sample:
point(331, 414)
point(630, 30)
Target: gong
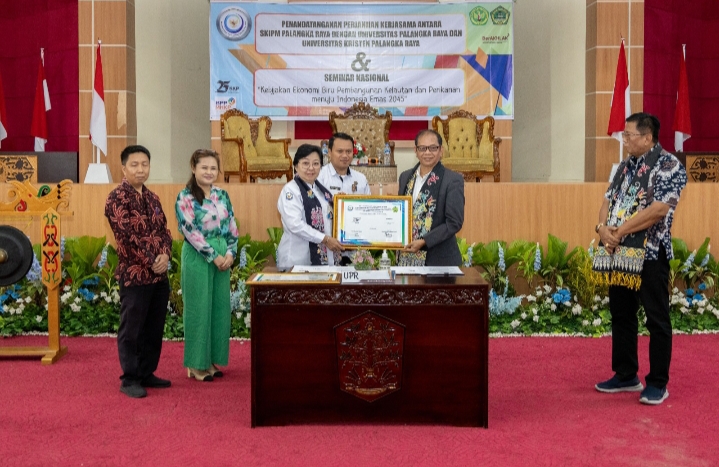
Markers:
point(15, 255)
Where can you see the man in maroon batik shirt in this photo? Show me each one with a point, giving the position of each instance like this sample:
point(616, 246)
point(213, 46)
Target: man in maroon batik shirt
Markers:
point(144, 247)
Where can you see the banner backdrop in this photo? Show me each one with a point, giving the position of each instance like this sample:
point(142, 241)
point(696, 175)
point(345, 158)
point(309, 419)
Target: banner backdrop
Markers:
point(415, 60)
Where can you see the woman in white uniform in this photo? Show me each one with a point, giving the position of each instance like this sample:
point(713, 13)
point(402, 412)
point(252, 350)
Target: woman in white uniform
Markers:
point(306, 210)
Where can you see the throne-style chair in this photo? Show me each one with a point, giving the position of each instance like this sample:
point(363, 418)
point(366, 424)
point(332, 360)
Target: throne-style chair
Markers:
point(470, 146)
point(249, 152)
point(366, 126)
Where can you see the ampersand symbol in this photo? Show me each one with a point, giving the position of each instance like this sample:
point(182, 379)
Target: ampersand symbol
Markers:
point(360, 62)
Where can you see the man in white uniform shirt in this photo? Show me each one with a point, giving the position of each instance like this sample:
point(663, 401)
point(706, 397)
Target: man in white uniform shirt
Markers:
point(337, 176)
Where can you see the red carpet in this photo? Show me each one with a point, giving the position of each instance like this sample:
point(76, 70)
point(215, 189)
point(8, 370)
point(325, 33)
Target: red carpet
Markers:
point(543, 410)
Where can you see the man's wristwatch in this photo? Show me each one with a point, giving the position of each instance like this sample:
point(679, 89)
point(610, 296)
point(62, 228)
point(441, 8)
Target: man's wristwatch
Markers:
point(599, 226)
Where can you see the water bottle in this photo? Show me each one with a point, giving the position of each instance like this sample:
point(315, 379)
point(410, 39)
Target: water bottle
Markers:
point(324, 154)
point(384, 262)
point(387, 154)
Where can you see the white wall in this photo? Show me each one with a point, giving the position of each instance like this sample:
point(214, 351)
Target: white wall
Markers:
point(549, 52)
point(531, 138)
point(173, 82)
point(568, 88)
point(153, 69)
point(172, 40)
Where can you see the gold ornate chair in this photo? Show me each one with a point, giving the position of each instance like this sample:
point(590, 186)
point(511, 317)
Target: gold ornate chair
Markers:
point(249, 152)
point(365, 125)
point(470, 146)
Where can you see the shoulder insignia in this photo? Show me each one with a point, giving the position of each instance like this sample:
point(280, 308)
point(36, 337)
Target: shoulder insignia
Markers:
point(289, 195)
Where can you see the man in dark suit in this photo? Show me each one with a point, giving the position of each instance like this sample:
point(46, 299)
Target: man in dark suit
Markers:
point(438, 206)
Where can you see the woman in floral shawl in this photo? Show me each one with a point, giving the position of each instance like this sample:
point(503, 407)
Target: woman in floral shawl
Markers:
point(305, 207)
point(205, 218)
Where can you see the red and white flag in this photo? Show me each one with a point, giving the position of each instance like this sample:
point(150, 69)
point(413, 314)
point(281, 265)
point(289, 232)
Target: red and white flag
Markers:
point(98, 121)
point(682, 117)
point(42, 105)
point(3, 116)
point(621, 106)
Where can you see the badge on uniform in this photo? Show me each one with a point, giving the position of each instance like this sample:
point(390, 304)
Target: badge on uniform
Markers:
point(354, 187)
point(338, 188)
point(289, 195)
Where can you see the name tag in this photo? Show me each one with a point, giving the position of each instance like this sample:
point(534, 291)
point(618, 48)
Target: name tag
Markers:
point(354, 277)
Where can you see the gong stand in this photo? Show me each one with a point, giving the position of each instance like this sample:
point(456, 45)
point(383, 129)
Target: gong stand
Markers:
point(29, 202)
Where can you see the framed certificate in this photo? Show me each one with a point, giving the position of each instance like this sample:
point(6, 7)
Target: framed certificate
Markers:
point(374, 222)
point(274, 278)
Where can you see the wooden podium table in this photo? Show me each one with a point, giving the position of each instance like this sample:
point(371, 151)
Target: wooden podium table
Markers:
point(414, 351)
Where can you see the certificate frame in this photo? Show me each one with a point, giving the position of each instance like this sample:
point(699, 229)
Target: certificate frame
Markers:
point(344, 213)
point(289, 278)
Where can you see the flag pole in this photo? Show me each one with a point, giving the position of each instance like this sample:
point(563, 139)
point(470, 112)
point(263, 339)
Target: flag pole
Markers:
point(621, 141)
point(96, 153)
point(684, 57)
point(98, 172)
point(682, 118)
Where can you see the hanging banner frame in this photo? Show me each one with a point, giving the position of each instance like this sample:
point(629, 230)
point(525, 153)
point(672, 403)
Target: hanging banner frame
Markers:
point(416, 60)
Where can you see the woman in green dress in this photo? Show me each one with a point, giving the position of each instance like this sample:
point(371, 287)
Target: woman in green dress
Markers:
point(205, 218)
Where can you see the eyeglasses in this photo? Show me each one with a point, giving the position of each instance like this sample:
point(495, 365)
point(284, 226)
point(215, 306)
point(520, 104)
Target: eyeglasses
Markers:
point(628, 135)
point(308, 164)
point(421, 149)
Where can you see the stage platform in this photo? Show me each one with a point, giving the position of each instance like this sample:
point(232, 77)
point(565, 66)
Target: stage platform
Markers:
point(504, 211)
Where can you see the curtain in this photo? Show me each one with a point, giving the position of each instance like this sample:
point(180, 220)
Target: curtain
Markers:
point(667, 25)
point(25, 27)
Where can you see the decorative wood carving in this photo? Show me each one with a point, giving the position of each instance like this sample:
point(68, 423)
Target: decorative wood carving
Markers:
point(46, 201)
point(361, 110)
point(18, 168)
point(367, 296)
point(461, 113)
point(703, 168)
point(370, 349)
point(51, 262)
point(26, 198)
point(426, 348)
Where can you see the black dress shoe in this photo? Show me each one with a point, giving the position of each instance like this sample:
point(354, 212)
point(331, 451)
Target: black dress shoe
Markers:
point(153, 381)
point(133, 390)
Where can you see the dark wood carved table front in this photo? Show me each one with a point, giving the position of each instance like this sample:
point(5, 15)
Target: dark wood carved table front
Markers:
point(410, 352)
